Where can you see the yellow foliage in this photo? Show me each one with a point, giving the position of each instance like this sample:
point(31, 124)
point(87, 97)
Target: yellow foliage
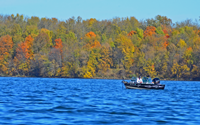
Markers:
point(58, 72)
point(87, 71)
point(188, 55)
point(125, 44)
point(175, 32)
point(91, 69)
point(65, 71)
point(23, 67)
point(50, 73)
point(195, 71)
point(164, 67)
point(181, 43)
point(91, 21)
point(105, 61)
point(87, 75)
point(179, 69)
point(4, 66)
point(49, 33)
point(150, 69)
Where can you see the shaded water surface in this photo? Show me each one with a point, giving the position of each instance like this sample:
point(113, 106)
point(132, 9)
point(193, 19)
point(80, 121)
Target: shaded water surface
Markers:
point(92, 101)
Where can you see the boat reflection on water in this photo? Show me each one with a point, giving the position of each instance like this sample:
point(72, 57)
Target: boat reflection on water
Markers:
point(155, 84)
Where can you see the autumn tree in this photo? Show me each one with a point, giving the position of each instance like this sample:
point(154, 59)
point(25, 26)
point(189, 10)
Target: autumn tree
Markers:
point(150, 30)
point(105, 60)
point(6, 46)
point(24, 56)
point(150, 69)
point(126, 46)
point(179, 70)
point(40, 43)
point(131, 33)
point(48, 47)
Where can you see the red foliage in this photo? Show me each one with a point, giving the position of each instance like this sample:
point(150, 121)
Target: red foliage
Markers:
point(166, 33)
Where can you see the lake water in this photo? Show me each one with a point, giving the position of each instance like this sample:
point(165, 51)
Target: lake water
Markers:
point(60, 101)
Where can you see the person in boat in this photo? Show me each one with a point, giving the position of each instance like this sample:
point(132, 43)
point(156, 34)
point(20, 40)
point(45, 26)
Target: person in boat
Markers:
point(139, 80)
point(149, 80)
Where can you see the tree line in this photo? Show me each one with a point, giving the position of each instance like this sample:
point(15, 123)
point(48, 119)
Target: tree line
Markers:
point(115, 48)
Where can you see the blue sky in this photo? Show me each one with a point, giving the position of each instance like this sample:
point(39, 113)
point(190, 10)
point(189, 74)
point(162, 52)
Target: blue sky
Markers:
point(177, 10)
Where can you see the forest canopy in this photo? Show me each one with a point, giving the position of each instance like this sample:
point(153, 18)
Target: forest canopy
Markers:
point(115, 48)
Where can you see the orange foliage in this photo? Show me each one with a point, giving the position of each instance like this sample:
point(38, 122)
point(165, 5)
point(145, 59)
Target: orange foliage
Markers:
point(29, 42)
point(150, 30)
point(93, 44)
point(58, 44)
point(166, 44)
point(6, 44)
point(90, 34)
point(96, 44)
point(54, 20)
point(24, 49)
point(190, 48)
point(131, 33)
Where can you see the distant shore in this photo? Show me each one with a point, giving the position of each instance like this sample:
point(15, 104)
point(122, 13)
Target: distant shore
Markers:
point(94, 78)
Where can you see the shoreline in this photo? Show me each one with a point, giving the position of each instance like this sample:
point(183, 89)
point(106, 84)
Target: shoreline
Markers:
point(92, 78)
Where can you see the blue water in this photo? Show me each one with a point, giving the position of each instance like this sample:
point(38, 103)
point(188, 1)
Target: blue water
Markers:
point(60, 101)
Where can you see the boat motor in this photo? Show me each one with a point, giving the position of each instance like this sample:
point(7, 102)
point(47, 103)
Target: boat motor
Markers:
point(156, 81)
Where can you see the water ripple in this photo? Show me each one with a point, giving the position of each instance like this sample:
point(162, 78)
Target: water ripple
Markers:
point(92, 101)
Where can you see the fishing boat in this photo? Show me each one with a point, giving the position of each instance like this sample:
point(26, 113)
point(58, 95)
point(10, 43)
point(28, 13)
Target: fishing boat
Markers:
point(154, 84)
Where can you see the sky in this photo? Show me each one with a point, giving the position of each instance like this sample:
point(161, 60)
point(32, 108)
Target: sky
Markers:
point(176, 10)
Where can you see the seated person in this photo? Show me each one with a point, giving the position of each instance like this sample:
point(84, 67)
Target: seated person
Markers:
point(139, 80)
point(149, 80)
point(133, 80)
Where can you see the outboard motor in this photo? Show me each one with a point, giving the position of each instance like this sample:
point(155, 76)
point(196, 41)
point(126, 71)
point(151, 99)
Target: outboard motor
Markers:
point(156, 81)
